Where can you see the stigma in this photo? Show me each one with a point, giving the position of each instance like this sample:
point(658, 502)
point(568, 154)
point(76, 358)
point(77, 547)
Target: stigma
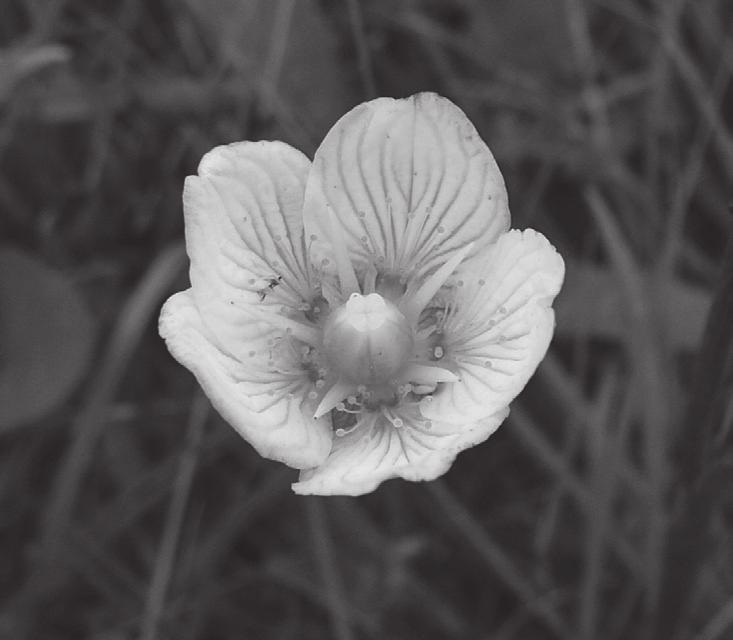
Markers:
point(367, 340)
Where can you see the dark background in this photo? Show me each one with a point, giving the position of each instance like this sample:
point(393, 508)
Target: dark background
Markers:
point(602, 509)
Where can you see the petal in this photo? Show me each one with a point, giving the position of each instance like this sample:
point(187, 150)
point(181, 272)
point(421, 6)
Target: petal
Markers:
point(498, 326)
point(408, 182)
point(244, 236)
point(271, 410)
point(375, 451)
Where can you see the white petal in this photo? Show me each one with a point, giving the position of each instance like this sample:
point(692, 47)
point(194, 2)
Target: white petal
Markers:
point(244, 236)
point(409, 181)
point(376, 451)
point(499, 327)
point(270, 410)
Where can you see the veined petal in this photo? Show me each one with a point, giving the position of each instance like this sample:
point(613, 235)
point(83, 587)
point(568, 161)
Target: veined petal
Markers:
point(244, 235)
point(375, 451)
point(498, 326)
point(409, 181)
point(270, 408)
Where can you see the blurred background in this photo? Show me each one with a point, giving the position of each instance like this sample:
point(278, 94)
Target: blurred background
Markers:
point(602, 509)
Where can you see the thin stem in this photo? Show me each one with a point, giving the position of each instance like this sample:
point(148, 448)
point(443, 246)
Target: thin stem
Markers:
point(330, 575)
point(496, 559)
point(362, 49)
point(174, 519)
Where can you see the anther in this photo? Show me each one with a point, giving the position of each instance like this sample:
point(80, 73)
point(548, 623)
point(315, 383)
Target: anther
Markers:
point(343, 432)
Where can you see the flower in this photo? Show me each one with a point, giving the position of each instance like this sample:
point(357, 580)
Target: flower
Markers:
point(367, 315)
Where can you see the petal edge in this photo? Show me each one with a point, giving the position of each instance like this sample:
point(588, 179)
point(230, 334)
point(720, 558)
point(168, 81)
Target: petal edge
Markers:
point(410, 181)
point(282, 431)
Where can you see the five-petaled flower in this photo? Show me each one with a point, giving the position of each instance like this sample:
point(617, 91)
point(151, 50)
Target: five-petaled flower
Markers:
point(367, 315)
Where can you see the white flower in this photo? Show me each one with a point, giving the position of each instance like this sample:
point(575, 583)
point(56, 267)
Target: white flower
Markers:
point(368, 315)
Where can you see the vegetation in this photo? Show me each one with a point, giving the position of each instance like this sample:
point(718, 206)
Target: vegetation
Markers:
point(601, 510)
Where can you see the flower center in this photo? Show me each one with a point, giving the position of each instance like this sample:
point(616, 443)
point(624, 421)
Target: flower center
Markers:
point(367, 340)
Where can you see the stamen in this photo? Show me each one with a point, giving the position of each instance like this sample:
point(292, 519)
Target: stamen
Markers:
point(395, 421)
point(285, 355)
point(370, 280)
point(427, 374)
point(391, 285)
point(403, 390)
point(344, 409)
point(333, 397)
point(415, 303)
point(423, 389)
point(301, 331)
point(344, 432)
point(291, 345)
point(364, 422)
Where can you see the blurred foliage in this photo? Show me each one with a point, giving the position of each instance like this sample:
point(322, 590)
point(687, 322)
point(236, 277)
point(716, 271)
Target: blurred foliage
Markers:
point(47, 337)
point(133, 512)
